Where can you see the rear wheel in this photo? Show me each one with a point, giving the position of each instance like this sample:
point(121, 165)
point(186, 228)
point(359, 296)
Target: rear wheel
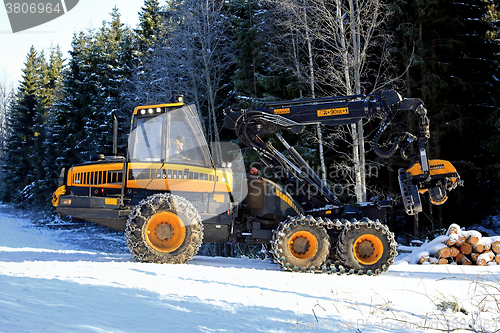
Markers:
point(164, 228)
point(300, 244)
point(366, 247)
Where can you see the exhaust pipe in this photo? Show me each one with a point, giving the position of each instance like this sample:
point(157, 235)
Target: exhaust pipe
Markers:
point(115, 135)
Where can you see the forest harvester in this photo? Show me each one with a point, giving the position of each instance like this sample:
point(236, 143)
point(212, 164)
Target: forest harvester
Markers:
point(174, 191)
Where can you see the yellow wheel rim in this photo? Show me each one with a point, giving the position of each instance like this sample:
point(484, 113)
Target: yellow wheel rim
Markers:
point(368, 249)
point(303, 244)
point(165, 232)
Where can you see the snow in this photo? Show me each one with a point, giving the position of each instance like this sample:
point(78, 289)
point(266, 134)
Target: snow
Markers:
point(424, 250)
point(80, 278)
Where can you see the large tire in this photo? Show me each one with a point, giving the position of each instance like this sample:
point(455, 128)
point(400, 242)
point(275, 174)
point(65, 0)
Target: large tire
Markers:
point(366, 247)
point(300, 244)
point(164, 228)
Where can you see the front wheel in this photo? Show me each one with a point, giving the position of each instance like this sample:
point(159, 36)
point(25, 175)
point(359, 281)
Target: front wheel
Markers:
point(366, 247)
point(164, 228)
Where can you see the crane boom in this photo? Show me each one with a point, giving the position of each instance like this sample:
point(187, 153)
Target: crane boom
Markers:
point(271, 118)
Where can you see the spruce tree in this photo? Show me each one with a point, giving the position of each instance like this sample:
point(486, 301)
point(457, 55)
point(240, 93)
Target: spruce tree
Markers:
point(151, 28)
point(92, 93)
point(454, 71)
point(151, 78)
point(258, 75)
point(49, 146)
point(67, 130)
point(111, 55)
point(247, 43)
point(493, 17)
point(27, 112)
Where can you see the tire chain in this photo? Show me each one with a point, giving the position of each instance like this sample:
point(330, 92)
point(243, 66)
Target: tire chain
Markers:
point(333, 267)
point(150, 205)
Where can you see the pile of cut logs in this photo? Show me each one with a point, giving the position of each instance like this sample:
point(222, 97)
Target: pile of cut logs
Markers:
point(462, 247)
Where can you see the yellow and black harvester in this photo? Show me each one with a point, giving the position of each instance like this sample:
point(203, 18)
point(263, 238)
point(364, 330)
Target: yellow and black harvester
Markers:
point(174, 190)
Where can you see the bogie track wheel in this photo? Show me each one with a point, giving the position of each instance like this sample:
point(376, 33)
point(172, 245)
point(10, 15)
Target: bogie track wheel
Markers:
point(366, 247)
point(300, 244)
point(164, 228)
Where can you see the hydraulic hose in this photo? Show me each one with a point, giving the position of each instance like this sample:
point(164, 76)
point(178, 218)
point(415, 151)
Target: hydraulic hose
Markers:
point(395, 146)
point(404, 155)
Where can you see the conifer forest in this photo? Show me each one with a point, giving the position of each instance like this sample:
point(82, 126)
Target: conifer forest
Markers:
point(243, 53)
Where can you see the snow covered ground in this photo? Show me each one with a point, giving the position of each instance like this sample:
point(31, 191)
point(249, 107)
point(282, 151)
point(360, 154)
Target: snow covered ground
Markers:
point(76, 278)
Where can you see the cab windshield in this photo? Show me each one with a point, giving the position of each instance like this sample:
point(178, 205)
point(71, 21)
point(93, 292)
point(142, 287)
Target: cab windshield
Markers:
point(147, 141)
point(173, 137)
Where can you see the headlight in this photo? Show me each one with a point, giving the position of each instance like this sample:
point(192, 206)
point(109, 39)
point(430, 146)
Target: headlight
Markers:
point(65, 201)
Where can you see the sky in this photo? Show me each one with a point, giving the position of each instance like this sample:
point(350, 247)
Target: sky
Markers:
point(86, 14)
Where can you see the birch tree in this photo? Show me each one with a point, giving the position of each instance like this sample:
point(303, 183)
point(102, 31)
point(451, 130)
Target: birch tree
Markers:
point(203, 47)
point(344, 34)
point(151, 81)
point(294, 16)
point(350, 30)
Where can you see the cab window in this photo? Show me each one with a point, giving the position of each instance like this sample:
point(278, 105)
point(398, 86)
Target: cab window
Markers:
point(186, 145)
